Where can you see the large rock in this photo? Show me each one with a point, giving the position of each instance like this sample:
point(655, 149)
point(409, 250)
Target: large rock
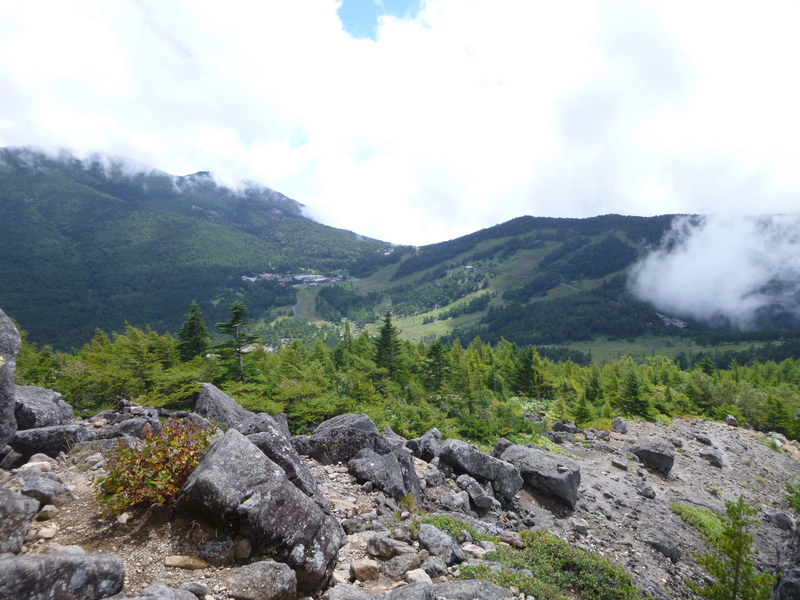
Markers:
point(16, 513)
point(383, 471)
point(217, 406)
point(51, 440)
point(264, 580)
point(10, 345)
point(238, 489)
point(339, 439)
point(552, 475)
point(466, 458)
point(426, 447)
point(56, 576)
point(134, 427)
point(39, 407)
point(440, 544)
point(46, 488)
point(159, 591)
point(657, 455)
point(392, 472)
point(470, 589)
point(274, 440)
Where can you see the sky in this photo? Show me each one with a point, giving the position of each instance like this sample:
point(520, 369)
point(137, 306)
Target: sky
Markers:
point(417, 121)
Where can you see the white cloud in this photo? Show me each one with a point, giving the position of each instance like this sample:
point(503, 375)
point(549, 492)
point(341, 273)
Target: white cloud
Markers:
point(468, 114)
point(724, 270)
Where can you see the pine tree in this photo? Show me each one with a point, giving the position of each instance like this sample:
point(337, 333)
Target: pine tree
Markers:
point(387, 346)
point(730, 566)
point(232, 351)
point(193, 336)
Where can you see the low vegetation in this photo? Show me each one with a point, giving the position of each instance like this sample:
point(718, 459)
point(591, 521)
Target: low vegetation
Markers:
point(710, 524)
point(549, 568)
point(155, 473)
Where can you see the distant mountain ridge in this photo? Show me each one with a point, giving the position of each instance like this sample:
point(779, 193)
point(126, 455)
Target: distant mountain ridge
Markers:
point(91, 243)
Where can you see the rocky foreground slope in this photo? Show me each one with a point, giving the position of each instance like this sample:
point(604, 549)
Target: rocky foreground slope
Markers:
point(268, 516)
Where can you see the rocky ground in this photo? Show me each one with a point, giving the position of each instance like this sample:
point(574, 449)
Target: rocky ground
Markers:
point(622, 511)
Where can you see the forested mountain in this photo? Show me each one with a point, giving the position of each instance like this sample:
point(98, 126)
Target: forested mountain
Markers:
point(531, 280)
point(94, 243)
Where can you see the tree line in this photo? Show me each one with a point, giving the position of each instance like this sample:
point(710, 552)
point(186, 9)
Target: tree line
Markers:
point(477, 392)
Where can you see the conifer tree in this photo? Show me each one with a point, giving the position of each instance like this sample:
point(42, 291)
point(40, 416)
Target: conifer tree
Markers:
point(193, 336)
point(387, 346)
point(734, 574)
point(232, 350)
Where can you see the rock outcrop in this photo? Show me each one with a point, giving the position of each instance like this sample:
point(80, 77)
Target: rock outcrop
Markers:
point(10, 345)
point(466, 458)
point(238, 489)
point(554, 476)
point(73, 576)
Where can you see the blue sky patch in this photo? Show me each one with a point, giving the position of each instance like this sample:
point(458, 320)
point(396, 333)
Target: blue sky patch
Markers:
point(360, 17)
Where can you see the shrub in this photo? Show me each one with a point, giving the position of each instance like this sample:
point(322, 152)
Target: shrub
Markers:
point(551, 569)
point(710, 523)
point(734, 574)
point(154, 474)
point(793, 495)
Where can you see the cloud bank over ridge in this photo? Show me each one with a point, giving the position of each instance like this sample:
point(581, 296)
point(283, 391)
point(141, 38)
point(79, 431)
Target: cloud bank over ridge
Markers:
point(730, 271)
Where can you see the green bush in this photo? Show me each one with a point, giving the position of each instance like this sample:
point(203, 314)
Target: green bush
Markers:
point(793, 495)
point(551, 569)
point(710, 523)
point(154, 474)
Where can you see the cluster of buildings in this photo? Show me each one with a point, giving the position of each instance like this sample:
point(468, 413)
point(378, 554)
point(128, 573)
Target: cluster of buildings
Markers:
point(669, 321)
point(311, 279)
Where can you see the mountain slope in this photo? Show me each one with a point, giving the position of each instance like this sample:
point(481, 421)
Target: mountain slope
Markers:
point(90, 244)
point(531, 280)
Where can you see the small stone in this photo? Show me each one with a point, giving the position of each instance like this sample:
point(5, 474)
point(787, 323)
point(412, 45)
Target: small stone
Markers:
point(124, 518)
point(365, 569)
point(242, 548)
point(418, 575)
point(474, 550)
point(47, 533)
point(620, 463)
point(182, 561)
point(47, 513)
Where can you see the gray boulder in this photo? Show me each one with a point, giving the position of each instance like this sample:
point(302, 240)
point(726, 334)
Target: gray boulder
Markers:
point(412, 591)
point(16, 514)
point(10, 345)
point(159, 591)
point(466, 458)
point(217, 406)
point(552, 475)
point(384, 547)
point(339, 439)
point(657, 455)
point(663, 543)
point(238, 489)
point(132, 426)
point(426, 447)
point(781, 520)
point(788, 588)
point(383, 471)
point(51, 440)
point(44, 489)
point(39, 407)
point(470, 589)
point(274, 440)
point(396, 567)
point(713, 457)
point(68, 576)
point(476, 493)
point(619, 425)
point(263, 580)
point(440, 544)
point(732, 421)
